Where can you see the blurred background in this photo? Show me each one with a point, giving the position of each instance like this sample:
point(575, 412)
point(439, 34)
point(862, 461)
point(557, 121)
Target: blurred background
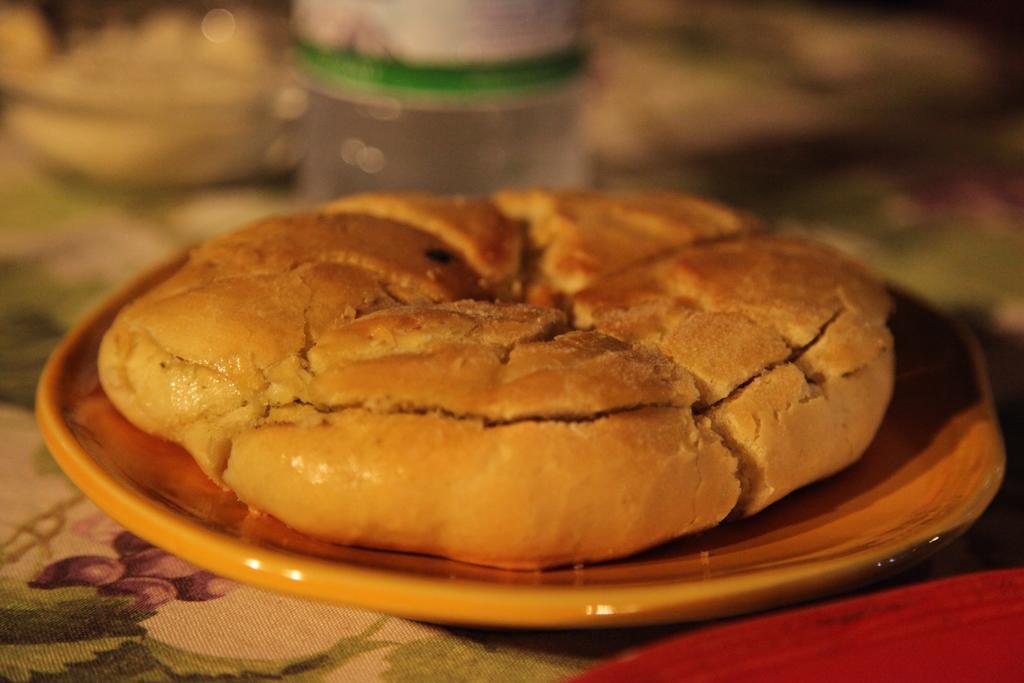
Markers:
point(893, 130)
point(131, 129)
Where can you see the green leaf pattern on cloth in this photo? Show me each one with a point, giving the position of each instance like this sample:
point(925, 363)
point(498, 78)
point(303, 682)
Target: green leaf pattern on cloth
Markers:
point(27, 662)
point(32, 615)
point(467, 660)
point(182, 663)
point(28, 329)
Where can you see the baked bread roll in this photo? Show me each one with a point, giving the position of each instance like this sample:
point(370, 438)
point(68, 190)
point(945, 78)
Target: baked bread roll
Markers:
point(539, 379)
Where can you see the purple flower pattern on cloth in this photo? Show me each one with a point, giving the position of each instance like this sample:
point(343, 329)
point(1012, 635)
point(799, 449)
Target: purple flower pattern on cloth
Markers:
point(149, 575)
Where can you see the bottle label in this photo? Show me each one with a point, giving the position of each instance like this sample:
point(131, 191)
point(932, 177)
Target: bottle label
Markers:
point(457, 47)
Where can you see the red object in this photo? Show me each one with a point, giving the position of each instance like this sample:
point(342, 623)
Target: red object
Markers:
point(966, 628)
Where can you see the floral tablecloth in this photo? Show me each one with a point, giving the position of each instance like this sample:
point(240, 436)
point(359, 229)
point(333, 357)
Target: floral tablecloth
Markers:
point(918, 169)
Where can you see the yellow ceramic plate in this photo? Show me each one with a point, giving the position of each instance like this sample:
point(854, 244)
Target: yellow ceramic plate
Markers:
point(932, 470)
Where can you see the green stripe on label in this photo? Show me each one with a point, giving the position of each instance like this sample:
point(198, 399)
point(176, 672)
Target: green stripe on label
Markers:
point(350, 69)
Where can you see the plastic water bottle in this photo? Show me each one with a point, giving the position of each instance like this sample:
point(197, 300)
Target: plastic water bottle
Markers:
point(449, 96)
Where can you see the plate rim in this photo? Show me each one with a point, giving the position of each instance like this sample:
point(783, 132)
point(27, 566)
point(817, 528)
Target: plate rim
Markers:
point(476, 603)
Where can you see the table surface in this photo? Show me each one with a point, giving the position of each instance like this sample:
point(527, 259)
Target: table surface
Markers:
point(894, 142)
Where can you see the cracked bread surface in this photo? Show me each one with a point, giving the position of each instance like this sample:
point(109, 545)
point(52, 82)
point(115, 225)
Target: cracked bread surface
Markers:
point(543, 379)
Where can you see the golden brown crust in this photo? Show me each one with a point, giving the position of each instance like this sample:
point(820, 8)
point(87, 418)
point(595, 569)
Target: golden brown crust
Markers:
point(579, 236)
point(401, 257)
point(416, 482)
point(361, 374)
point(458, 364)
point(788, 431)
point(474, 227)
